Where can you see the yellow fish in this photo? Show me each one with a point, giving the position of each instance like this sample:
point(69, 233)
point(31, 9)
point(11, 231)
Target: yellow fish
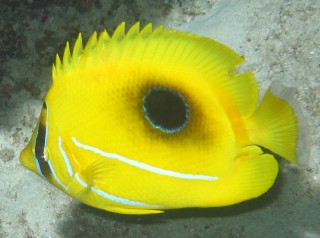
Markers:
point(152, 119)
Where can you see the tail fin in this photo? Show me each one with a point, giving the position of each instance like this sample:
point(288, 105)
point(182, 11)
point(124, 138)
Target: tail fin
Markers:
point(274, 126)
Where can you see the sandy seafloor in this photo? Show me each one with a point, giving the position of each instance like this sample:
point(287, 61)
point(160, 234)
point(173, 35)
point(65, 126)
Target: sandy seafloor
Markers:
point(280, 40)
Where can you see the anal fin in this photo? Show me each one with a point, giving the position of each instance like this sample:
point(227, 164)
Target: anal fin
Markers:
point(254, 174)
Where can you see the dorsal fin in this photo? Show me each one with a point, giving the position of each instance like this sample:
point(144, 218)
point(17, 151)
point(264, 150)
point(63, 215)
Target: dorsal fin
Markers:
point(69, 60)
point(209, 60)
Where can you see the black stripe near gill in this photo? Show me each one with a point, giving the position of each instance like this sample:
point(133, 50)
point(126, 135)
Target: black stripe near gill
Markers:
point(41, 143)
point(166, 109)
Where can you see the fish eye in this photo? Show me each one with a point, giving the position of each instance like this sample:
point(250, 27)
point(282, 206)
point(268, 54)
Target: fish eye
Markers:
point(166, 109)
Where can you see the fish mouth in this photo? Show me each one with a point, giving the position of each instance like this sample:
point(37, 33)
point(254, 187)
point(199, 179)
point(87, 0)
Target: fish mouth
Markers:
point(143, 166)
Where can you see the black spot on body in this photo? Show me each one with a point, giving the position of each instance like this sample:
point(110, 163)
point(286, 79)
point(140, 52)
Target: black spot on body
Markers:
point(166, 109)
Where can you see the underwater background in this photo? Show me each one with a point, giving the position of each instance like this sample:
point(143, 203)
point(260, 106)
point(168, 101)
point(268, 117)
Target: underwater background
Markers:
point(280, 41)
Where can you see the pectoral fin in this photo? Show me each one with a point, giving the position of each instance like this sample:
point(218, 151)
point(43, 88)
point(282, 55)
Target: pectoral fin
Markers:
point(98, 186)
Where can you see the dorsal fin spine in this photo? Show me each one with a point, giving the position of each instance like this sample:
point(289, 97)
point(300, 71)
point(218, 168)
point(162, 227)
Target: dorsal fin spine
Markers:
point(77, 50)
point(91, 43)
point(119, 33)
point(66, 57)
point(147, 30)
point(104, 38)
point(157, 30)
point(56, 68)
point(134, 30)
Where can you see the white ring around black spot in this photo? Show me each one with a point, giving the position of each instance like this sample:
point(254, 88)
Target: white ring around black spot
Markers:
point(166, 109)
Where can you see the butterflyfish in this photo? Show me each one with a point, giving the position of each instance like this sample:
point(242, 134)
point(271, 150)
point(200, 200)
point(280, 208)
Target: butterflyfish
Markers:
point(151, 119)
